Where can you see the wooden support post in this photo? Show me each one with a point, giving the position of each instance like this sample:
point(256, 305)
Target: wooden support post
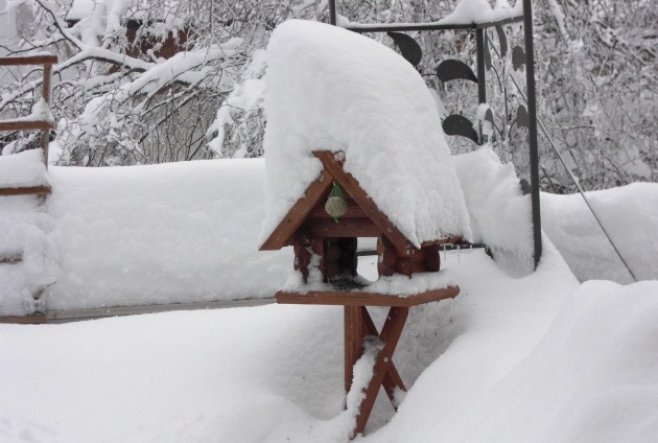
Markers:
point(390, 335)
point(353, 342)
point(392, 379)
point(45, 94)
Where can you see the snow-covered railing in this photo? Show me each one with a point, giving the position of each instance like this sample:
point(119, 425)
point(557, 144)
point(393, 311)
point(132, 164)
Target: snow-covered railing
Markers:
point(40, 118)
point(440, 25)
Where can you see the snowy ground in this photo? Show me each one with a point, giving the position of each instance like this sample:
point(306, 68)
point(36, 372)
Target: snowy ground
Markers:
point(534, 358)
point(511, 359)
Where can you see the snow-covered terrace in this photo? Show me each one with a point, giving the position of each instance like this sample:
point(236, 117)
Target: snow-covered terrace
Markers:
point(517, 357)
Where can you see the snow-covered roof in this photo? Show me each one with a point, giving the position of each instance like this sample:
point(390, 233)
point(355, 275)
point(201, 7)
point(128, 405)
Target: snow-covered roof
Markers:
point(331, 89)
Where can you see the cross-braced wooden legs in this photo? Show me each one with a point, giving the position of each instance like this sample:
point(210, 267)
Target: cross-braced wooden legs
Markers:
point(358, 324)
point(392, 379)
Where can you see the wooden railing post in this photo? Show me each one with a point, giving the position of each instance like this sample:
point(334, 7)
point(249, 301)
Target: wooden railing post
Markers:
point(45, 94)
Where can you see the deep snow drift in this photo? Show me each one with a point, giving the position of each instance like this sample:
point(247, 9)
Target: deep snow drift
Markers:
point(500, 214)
point(629, 214)
point(511, 360)
point(24, 228)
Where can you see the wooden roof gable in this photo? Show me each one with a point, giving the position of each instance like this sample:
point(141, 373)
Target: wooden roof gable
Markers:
point(314, 194)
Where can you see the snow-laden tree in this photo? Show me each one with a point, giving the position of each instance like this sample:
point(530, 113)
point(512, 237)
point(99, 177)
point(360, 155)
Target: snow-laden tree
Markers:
point(598, 78)
point(117, 100)
point(596, 70)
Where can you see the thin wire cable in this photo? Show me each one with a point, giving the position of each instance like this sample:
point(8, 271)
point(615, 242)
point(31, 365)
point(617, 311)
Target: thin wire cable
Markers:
point(576, 182)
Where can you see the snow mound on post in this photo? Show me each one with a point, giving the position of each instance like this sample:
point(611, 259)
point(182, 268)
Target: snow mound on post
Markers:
point(501, 216)
point(331, 89)
point(25, 169)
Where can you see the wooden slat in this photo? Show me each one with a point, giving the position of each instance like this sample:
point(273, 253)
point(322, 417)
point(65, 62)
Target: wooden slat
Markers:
point(360, 298)
point(30, 319)
point(352, 187)
point(287, 227)
point(29, 60)
point(56, 316)
point(25, 125)
point(450, 239)
point(346, 227)
point(31, 190)
point(10, 259)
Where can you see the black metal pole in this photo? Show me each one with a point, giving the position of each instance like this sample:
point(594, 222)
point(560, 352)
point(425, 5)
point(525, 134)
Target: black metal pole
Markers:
point(532, 128)
point(332, 12)
point(482, 86)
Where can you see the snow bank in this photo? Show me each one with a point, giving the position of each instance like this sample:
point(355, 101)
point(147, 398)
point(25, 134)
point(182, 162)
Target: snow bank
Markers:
point(23, 235)
point(591, 378)
point(270, 373)
point(499, 212)
point(328, 88)
point(25, 169)
point(170, 233)
point(629, 214)
point(24, 228)
point(532, 359)
point(187, 232)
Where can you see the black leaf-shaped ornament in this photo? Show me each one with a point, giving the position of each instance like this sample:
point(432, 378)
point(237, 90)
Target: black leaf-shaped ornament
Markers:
point(454, 69)
point(518, 57)
point(409, 48)
point(502, 39)
point(459, 125)
point(522, 117)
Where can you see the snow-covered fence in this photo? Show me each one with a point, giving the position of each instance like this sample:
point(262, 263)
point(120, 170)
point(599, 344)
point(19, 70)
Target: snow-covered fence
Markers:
point(23, 177)
point(40, 119)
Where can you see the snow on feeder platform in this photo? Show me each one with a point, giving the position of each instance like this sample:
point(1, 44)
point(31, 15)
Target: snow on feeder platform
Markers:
point(353, 149)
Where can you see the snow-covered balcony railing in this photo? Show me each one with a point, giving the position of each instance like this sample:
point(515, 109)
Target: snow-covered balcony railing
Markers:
point(40, 119)
point(496, 17)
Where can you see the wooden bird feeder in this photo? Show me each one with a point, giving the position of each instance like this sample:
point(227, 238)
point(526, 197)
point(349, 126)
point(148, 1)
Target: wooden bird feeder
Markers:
point(323, 227)
point(311, 230)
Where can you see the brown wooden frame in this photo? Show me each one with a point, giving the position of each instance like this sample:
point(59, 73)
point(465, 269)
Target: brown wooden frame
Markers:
point(27, 190)
point(313, 232)
point(305, 207)
point(22, 124)
point(358, 325)
point(364, 298)
point(47, 61)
